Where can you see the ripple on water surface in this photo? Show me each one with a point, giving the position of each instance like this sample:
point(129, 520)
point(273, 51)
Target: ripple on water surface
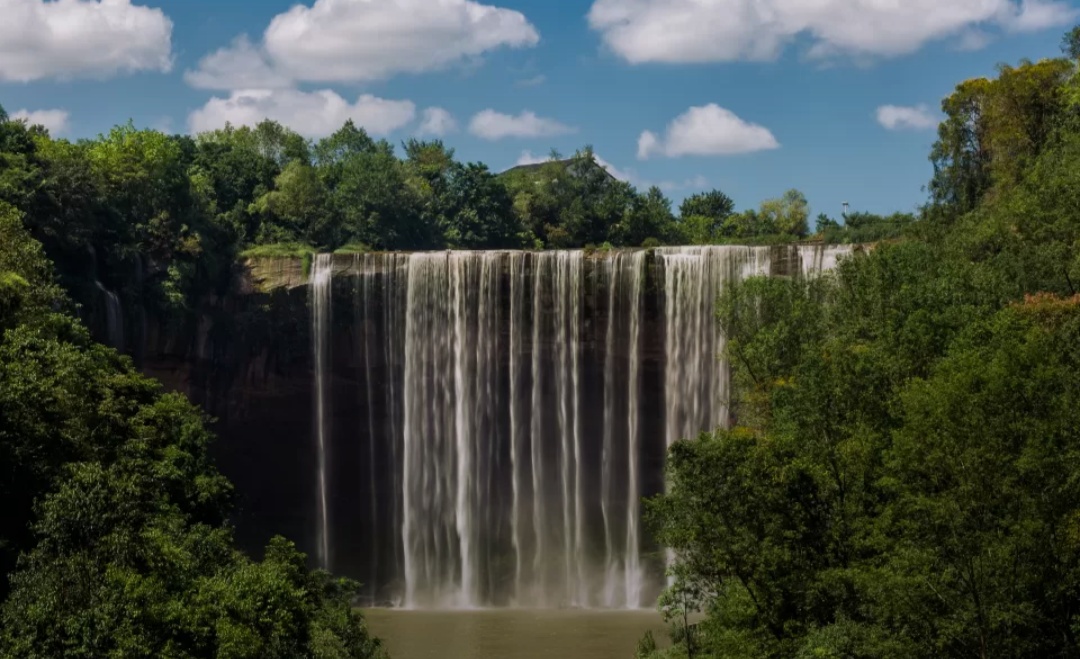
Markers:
point(513, 633)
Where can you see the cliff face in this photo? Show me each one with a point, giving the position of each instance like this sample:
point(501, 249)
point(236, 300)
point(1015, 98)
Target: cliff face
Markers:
point(486, 418)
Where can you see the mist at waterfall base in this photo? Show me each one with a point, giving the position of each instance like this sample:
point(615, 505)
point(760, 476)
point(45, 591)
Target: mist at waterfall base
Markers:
point(513, 410)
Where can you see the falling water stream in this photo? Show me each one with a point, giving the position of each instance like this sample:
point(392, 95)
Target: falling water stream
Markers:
point(321, 280)
point(514, 408)
point(114, 317)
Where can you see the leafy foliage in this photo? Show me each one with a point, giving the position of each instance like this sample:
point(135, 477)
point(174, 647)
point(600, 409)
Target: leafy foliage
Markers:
point(114, 539)
point(161, 219)
point(901, 476)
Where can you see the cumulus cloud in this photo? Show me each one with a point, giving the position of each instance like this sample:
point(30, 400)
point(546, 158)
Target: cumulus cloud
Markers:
point(1036, 15)
point(974, 40)
point(364, 40)
point(492, 125)
point(707, 130)
point(312, 114)
point(899, 117)
point(648, 144)
point(727, 30)
point(56, 121)
point(437, 121)
point(240, 66)
point(81, 38)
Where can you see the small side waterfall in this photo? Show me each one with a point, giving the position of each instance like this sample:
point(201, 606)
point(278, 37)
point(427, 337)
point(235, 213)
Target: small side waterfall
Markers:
point(815, 259)
point(321, 280)
point(511, 411)
point(114, 317)
point(695, 378)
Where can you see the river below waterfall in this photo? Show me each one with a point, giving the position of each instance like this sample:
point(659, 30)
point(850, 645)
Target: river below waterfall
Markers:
point(514, 633)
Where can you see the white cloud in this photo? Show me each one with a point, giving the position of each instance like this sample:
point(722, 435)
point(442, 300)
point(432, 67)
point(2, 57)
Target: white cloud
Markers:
point(727, 30)
point(312, 114)
point(707, 130)
point(81, 38)
point(648, 144)
point(56, 121)
point(898, 117)
point(437, 121)
point(1036, 15)
point(974, 40)
point(240, 66)
point(364, 40)
point(492, 125)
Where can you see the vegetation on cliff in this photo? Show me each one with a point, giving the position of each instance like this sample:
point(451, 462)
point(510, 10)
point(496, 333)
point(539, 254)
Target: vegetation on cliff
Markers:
point(115, 541)
point(903, 479)
point(161, 219)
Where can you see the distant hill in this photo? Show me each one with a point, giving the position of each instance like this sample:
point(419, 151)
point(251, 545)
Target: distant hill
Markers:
point(534, 168)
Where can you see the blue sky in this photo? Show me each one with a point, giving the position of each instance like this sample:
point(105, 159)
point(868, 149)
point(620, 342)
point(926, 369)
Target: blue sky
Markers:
point(749, 96)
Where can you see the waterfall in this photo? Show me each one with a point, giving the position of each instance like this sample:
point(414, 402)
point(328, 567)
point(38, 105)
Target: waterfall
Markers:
point(517, 328)
point(321, 280)
point(537, 595)
point(567, 301)
point(815, 259)
point(606, 495)
point(696, 377)
point(394, 270)
point(512, 411)
point(114, 317)
point(623, 577)
point(695, 382)
point(633, 575)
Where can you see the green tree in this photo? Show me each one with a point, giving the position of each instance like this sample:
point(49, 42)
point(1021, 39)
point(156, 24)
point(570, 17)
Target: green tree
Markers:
point(237, 172)
point(993, 128)
point(713, 204)
point(702, 217)
point(114, 533)
point(786, 215)
point(649, 217)
point(961, 156)
point(479, 213)
point(145, 178)
point(296, 208)
point(983, 476)
point(1070, 43)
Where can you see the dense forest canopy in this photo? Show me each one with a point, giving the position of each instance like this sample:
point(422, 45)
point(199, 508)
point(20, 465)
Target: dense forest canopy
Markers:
point(903, 479)
point(179, 209)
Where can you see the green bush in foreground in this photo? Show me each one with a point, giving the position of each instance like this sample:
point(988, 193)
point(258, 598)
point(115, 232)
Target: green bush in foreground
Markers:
point(114, 540)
